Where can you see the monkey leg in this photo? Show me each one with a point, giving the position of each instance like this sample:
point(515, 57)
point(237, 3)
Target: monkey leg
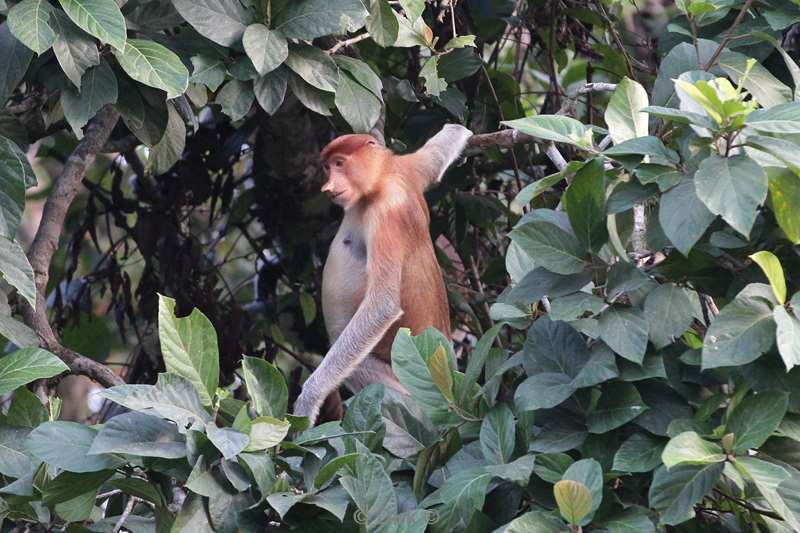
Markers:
point(373, 370)
point(332, 408)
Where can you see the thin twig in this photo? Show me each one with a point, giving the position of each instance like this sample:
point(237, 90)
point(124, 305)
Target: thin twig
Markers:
point(347, 42)
point(125, 514)
point(728, 35)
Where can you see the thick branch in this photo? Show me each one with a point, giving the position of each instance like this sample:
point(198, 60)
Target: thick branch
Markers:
point(63, 191)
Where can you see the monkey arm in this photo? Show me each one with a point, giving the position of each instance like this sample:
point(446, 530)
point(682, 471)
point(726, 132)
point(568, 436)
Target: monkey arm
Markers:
point(379, 309)
point(439, 152)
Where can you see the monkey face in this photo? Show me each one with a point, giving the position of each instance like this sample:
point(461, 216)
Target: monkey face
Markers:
point(338, 185)
point(352, 166)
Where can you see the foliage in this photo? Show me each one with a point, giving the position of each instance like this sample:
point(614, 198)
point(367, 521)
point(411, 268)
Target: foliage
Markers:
point(630, 319)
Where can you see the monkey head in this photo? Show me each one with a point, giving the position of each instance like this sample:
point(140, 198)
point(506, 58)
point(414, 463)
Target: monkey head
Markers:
point(352, 165)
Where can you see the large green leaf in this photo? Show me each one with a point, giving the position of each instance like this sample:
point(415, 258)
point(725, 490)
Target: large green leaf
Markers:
point(270, 89)
point(639, 453)
point(26, 365)
point(15, 460)
point(266, 386)
point(674, 492)
point(551, 247)
point(29, 22)
point(101, 18)
point(768, 90)
point(624, 115)
point(371, 489)
point(358, 106)
point(14, 60)
point(208, 70)
point(543, 391)
point(497, 435)
point(668, 311)
point(266, 48)
point(98, 88)
point(743, 330)
point(266, 432)
point(769, 479)
point(683, 57)
point(554, 128)
point(780, 119)
point(314, 66)
point(75, 50)
point(382, 23)
point(771, 266)
point(683, 216)
point(235, 98)
point(189, 346)
point(689, 448)
point(228, 441)
point(72, 452)
point(222, 21)
point(634, 519)
point(169, 148)
point(14, 169)
point(585, 203)
point(155, 65)
point(66, 485)
point(784, 150)
point(625, 331)
point(589, 473)
point(784, 196)
point(362, 73)
point(787, 336)
point(756, 418)
point(364, 418)
point(139, 434)
point(533, 522)
point(309, 19)
point(732, 187)
point(16, 269)
point(573, 499)
point(619, 403)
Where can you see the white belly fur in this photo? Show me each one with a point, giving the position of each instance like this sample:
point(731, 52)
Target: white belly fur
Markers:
point(344, 277)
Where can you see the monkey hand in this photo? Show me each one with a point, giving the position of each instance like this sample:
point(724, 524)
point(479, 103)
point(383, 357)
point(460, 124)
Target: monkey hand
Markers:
point(308, 404)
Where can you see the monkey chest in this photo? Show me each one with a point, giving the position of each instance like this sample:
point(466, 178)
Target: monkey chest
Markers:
point(344, 279)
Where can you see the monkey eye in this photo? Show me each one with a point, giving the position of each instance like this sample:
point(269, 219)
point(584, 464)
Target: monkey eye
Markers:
point(373, 143)
point(338, 163)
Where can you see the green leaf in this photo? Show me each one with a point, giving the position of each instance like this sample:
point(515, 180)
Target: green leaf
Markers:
point(623, 115)
point(732, 187)
point(172, 397)
point(779, 119)
point(639, 453)
point(413, 8)
point(787, 336)
point(756, 418)
point(314, 66)
point(625, 331)
point(74, 50)
point(683, 216)
point(364, 419)
point(267, 432)
point(362, 73)
point(358, 106)
point(619, 403)
point(309, 19)
point(784, 196)
point(222, 21)
point(477, 359)
point(543, 391)
point(382, 23)
point(266, 386)
point(139, 434)
point(189, 346)
point(573, 499)
point(674, 492)
point(533, 522)
point(72, 452)
point(14, 169)
point(267, 49)
point(689, 448)
point(769, 478)
point(551, 247)
point(680, 116)
point(100, 18)
point(412, 371)
point(633, 519)
point(589, 473)
point(330, 468)
point(772, 268)
point(371, 489)
point(228, 441)
point(497, 435)
point(14, 60)
point(15, 460)
point(434, 84)
point(210, 71)
point(28, 21)
point(668, 311)
point(26, 409)
point(155, 65)
point(66, 485)
point(139, 488)
point(235, 98)
point(649, 146)
point(554, 128)
point(786, 151)
point(439, 367)
point(768, 90)
point(270, 89)
point(26, 365)
point(585, 201)
point(462, 41)
point(169, 148)
point(98, 88)
point(743, 330)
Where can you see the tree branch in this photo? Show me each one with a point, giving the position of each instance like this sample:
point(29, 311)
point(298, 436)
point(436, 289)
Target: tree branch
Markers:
point(63, 191)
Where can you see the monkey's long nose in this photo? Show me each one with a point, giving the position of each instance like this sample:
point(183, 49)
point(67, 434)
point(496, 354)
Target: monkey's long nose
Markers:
point(327, 187)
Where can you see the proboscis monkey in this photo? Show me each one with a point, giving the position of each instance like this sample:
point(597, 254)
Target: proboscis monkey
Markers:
point(381, 273)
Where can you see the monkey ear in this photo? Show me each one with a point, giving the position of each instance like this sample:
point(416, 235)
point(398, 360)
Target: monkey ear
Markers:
point(441, 151)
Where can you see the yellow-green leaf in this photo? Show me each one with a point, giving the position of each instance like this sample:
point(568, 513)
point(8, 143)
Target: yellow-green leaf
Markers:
point(574, 500)
point(439, 368)
point(774, 272)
